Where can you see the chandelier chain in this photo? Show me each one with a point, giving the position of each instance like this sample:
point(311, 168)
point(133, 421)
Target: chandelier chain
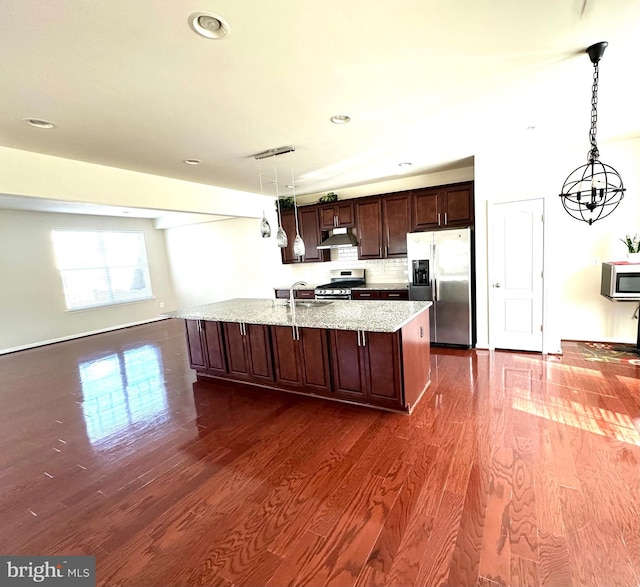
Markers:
point(594, 153)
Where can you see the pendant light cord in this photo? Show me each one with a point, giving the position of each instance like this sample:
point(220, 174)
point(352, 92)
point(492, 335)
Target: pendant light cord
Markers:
point(275, 173)
point(293, 186)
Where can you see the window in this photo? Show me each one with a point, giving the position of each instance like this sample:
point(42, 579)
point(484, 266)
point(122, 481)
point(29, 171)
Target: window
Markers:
point(102, 268)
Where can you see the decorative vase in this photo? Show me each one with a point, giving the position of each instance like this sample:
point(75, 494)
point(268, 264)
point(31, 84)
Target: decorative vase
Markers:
point(633, 257)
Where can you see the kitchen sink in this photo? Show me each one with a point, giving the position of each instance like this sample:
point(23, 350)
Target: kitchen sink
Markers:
point(311, 303)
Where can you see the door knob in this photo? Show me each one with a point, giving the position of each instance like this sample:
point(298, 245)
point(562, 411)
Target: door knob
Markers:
point(497, 285)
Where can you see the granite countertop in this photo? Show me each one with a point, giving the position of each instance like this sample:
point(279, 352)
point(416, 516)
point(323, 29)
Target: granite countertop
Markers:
point(372, 316)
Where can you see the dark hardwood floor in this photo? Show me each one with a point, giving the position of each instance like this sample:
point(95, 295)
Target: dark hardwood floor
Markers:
point(515, 469)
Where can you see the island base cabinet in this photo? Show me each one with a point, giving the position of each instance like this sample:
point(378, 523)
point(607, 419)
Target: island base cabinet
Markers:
point(248, 351)
point(301, 359)
point(366, 367)
point(205, 345)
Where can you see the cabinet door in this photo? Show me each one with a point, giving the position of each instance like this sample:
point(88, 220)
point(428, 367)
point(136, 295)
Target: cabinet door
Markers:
point(384, 384)
point(369, 294)
point(195, 345)
point(313, 347)
point(396, 222)
point(258, 351)
point(310, 233)
point(216, 362)
point(458, 205)
point(327, 217)
point(369, 226)
point(345, 217)
point(425, 209)
point(288, 222)
point(286, 363)
point(348, 365)
point(236, 356)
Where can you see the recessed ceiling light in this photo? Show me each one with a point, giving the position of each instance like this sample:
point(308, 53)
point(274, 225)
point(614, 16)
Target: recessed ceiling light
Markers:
point(38, 123)
point(292, 185)
point(209, 25)
point(405, 164)
point(192, 161)
point(340, 119)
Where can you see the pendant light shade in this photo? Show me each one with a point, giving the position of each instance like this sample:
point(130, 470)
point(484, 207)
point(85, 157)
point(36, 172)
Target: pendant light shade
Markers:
point(594, 190)
point(265, 227)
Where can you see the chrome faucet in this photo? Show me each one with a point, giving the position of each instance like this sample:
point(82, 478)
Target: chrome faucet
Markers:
point(292, 303)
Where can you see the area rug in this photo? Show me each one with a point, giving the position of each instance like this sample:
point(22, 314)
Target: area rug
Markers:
point(602, 351)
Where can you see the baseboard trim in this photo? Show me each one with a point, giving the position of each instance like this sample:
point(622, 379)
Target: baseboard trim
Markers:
point(33, 345)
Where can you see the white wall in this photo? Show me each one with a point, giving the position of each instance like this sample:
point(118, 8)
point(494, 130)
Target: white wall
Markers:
point(574, 309)
point(32, 305)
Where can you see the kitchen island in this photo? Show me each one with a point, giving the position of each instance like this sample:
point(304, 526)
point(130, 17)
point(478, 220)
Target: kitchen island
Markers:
point(370, 353)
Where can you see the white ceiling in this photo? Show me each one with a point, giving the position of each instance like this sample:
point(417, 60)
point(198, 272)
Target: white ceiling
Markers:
point(130, 85)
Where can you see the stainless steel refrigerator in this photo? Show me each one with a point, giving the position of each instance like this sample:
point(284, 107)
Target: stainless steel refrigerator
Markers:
point(440, 270)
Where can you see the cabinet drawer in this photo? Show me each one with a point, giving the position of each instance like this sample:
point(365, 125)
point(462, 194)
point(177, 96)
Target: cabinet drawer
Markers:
point(299, 294)
point(394, 294)
point(368, 294)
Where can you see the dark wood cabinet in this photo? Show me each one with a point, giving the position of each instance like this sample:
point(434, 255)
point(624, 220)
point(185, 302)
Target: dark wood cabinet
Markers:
point(369, 226)
point(366, 367)
point(383, 224)
point(380, 294)
point(288, 222)
point(442, 207)
point(336, 215)
point(298, 294)
point(248, 348)
point(206, 347)
point(394, 294)
point(389, 370)
point(396, 223)
point(301, 359)
point(310, 233)
point(368, 294)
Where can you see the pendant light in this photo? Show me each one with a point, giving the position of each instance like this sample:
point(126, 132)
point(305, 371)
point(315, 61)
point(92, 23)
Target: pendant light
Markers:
point(298, 244)
point(265, 227)
point(281, 235)
point(594, 190)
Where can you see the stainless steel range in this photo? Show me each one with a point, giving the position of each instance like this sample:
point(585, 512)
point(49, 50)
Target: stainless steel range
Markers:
point(339, 288)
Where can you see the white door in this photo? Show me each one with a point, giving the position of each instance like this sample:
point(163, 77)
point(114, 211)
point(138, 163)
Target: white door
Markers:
point(516, 250)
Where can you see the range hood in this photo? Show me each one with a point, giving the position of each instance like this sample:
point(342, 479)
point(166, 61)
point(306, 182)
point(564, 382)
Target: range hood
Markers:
point(338, 239)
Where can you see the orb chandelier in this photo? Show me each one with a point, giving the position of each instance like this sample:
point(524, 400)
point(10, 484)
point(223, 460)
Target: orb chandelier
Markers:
point(594, 190)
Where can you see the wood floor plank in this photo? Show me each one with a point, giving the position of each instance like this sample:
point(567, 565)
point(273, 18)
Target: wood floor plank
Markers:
point(514, 469)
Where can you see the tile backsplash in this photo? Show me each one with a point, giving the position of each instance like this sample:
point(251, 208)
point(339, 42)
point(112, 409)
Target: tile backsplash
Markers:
point(377, 270)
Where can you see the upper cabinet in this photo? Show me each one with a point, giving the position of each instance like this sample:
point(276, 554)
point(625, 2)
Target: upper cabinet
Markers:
point(382, 224)
point(308, 222)
point(336, 215)
point(442, 207)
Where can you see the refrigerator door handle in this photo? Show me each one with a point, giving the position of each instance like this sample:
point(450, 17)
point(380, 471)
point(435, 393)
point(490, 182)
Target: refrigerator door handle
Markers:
point(434, 252)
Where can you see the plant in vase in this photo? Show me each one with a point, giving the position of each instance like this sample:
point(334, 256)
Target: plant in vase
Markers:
point(633, 247)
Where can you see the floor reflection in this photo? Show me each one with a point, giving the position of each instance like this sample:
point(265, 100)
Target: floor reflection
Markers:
point(121, 390)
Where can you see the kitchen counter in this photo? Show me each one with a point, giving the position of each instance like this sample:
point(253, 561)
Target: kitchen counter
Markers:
point(371, 353)
point(384, 316)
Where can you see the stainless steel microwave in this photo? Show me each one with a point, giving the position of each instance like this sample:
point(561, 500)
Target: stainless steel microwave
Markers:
point(620, 280)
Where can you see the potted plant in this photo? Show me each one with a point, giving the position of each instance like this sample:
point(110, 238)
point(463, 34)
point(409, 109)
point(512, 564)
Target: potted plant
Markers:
point(633, 247)
point(330, 197)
